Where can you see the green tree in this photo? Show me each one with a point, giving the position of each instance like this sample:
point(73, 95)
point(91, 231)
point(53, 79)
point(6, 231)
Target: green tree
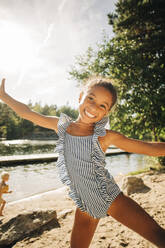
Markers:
point(14, 127)
point(68, 111)
point(135, 58)
point(9, 123)
point(26, 128)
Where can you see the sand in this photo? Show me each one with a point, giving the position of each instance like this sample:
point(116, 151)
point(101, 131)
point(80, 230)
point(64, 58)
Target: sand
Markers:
point(109, 233)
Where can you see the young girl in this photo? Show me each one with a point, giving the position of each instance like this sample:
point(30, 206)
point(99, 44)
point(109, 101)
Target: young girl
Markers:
point(81, 146)
point(4, 189)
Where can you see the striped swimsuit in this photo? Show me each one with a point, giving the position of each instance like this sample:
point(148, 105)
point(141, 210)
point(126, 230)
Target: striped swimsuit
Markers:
point(81, 164)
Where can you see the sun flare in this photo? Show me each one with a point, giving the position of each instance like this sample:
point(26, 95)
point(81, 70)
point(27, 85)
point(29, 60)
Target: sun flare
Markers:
point(17, 49)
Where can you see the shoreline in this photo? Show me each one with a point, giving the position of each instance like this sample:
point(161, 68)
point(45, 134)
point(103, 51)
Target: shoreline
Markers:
point(40, 195)
point(55, 192)
point(35, 179)
point(117, 178)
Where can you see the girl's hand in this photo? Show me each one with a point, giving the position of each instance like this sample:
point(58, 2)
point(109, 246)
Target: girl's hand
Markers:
point(25, 112)
point(2, 88)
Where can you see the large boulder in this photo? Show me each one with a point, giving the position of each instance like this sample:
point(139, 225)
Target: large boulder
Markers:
point(23, 224)
point(132, 184)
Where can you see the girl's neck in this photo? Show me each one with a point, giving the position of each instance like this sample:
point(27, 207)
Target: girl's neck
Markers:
point(79, 128)
point(84, 125)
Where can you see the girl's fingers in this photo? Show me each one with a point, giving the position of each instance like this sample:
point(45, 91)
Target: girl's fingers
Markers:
point(3, 84)
point(3, 81)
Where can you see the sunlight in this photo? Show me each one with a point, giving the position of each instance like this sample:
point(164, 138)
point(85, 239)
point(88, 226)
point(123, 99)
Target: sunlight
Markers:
point(17, 49)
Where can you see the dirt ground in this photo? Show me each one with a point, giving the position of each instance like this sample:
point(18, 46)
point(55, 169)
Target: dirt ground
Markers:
point(109, 233)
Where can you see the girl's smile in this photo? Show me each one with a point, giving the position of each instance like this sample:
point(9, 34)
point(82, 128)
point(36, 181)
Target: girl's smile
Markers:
point(89, 115)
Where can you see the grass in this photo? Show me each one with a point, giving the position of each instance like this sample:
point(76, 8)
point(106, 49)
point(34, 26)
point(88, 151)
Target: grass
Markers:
point(154, 167)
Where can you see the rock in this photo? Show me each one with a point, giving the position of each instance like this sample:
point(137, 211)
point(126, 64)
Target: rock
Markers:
point(23, 224)
point(64, 213)
point(102, 237)
point(124, 244)
point(134, 184)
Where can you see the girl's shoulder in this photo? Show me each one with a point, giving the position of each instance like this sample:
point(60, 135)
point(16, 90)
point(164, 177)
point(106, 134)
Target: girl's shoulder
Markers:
point(1, 183)
point(105, 141)
point(63, 120)
point(5, 188)
point(111, 136)
point(2, 186)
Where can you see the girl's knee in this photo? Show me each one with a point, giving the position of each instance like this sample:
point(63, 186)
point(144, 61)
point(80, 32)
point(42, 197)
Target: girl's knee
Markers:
point(83, 229)
point(85, 219)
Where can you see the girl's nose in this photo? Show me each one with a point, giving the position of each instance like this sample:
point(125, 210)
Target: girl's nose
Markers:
point(93, 106)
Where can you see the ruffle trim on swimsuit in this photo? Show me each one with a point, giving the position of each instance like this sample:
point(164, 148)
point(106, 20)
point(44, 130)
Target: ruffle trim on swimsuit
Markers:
point(98, 159)
point(63, 123)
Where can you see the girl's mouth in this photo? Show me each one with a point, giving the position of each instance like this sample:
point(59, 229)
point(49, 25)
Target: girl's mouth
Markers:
point(89, 114)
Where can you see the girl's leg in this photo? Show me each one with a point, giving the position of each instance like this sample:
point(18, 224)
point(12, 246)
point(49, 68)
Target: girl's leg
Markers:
point(83, 229)
point(3, 202)
point(129, 213)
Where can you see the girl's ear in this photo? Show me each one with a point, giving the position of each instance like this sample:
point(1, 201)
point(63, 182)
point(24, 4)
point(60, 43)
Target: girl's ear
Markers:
point(80, 96)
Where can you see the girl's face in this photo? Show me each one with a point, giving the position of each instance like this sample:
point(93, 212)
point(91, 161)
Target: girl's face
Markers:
point(5, 178)
point(94, 104)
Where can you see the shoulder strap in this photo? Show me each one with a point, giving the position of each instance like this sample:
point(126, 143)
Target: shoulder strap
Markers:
point(63, 123)
point(99, 129)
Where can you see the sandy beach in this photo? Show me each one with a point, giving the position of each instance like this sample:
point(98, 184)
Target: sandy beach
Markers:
point(109, 233)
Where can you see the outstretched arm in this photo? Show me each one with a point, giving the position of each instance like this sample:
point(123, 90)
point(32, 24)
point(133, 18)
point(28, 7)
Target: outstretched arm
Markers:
point(135, 146)
point(8, 192)
point(25, 112)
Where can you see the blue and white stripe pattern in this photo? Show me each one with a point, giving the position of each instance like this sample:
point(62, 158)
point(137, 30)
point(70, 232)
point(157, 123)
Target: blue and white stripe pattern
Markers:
point(81, 166)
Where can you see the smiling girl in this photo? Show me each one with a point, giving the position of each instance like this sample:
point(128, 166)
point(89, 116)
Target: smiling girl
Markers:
point(82, 145)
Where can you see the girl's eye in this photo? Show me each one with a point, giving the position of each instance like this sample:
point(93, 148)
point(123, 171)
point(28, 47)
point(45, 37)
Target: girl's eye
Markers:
point(90, 98)
point(102, 106)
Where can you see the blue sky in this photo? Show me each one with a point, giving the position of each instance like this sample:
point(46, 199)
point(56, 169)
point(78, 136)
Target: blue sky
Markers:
point(39, 42)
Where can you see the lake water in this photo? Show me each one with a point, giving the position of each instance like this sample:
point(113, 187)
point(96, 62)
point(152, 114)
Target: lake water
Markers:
point(28, 180)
